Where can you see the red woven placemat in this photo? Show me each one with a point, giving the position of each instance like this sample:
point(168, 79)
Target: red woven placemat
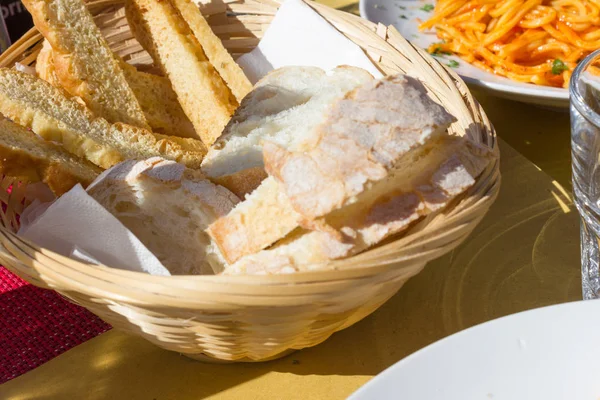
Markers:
point(36, 325)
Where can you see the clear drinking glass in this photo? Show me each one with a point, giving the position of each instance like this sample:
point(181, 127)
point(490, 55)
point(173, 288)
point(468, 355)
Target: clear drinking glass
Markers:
point(585, 150)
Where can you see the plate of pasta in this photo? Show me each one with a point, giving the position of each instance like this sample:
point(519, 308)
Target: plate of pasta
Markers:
point(524, 50)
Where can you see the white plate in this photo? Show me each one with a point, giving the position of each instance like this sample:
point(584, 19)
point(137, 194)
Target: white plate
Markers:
point(550, 353)
point(404, 15)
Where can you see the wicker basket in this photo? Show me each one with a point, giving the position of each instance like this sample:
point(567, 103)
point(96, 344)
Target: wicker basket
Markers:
point(257, 318)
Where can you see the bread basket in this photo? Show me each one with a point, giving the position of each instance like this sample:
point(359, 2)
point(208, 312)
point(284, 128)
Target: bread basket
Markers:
point(257, 318)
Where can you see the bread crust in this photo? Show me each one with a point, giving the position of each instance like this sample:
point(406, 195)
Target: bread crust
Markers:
point(44, 65)
point(244, 182)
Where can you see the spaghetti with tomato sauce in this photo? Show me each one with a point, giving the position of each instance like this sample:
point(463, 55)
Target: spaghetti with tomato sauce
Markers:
point(535, 41)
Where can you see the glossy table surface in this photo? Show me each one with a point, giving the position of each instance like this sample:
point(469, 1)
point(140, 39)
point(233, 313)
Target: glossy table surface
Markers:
point(524, 254)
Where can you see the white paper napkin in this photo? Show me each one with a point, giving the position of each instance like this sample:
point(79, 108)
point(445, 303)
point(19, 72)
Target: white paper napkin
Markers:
point(77, 226)
point(300, 36)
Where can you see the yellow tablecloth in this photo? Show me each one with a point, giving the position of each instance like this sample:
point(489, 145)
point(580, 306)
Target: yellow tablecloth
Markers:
point(524, 254)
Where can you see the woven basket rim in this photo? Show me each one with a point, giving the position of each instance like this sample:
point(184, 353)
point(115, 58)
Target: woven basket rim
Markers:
point(231, 283)
point(300, 277)
point(140, 281)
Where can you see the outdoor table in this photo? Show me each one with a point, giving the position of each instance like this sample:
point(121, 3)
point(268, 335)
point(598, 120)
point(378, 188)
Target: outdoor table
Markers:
point(523, 255)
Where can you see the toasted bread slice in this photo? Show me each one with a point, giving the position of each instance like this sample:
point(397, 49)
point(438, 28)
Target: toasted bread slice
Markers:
point(218, 56)
point(84, 64)
point(36, 104)
point(360, 140)
point(29, 158)
point(202, 93)
point(154, 93)
point(159, 103)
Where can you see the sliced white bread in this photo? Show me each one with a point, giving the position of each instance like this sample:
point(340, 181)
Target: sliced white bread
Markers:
point(29, 158)
point(424, 182)
point(159, 103)
point(218, 56)
point(284, 107)
point(167, 207)
point(37, 105)
point(84, 63)
point(164, 33)
point(358, 142)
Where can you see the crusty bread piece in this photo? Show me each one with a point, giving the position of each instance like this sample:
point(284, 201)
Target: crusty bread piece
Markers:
point(218, 56)
point(167, 207)
point(29, 158)
point(284, 107)
point(265, 216)
point(159, 103)
point(364, 136)
point(83, 61)
point(361, 139)
point(202, 93)
point(36, 104)
point(425, 182)
point(44, 65)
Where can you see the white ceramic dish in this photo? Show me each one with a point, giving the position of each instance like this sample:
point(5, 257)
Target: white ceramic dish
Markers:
point(551, 353)
point(405, 15)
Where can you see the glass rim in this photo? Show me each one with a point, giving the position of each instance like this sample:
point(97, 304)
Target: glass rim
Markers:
point(575, 89)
